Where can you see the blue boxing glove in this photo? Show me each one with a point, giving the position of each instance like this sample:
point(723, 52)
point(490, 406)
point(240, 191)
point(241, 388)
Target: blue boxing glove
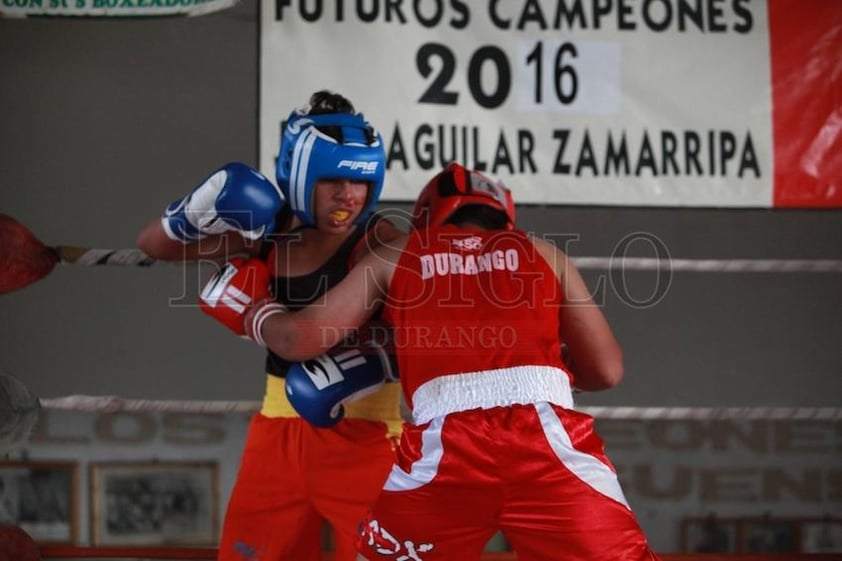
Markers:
point(317, 388)
point(234, 198)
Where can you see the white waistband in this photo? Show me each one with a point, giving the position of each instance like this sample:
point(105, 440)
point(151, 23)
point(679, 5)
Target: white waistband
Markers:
point(490, 388)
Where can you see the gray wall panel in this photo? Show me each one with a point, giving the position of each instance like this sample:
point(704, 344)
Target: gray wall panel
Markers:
point(106, 121)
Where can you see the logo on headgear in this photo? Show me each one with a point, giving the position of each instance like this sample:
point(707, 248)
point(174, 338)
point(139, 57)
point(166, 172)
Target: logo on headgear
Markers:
point(358, 165)
point(484, 185)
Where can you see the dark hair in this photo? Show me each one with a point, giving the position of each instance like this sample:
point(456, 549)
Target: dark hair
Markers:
point(481, 215)
point(325, 101)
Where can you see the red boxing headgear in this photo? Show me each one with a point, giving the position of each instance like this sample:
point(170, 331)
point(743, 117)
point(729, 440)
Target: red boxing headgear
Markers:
point(456, 187)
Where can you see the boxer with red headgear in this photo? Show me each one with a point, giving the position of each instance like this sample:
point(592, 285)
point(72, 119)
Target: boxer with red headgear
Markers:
point(480, 311)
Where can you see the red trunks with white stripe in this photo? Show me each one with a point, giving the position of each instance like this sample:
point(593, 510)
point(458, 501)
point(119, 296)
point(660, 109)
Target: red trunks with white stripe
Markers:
point(538, 472)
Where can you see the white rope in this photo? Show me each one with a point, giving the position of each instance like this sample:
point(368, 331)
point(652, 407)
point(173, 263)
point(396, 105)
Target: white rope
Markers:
point(710, 265)
point(113, 404)
point(73, 255)
point(712, 413)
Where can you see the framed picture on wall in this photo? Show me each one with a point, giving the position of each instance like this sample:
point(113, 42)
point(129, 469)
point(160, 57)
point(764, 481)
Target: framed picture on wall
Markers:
point(821, 535)
point(155, 503)
point(41, 498)
point(709, 534)
point(769, 535)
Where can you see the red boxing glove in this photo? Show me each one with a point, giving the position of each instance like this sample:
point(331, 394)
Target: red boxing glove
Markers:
point(234, 290)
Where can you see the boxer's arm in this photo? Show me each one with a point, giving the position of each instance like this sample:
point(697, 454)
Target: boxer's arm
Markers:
point(326, 322)
point(383, 233)
point(226, 214)
point(594, 354)
point(154, 242)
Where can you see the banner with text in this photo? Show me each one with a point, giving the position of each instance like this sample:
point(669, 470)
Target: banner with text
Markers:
point(111, 8)
point(654, 103)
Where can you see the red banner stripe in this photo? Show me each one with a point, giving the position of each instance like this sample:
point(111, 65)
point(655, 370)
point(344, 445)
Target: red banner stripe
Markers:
point(806, 57)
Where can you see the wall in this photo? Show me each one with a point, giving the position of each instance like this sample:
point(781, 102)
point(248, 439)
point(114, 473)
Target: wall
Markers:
point(671, 470)
point(106, 121)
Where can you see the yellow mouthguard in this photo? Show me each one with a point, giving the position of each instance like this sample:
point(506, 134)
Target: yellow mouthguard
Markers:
point(340, 215)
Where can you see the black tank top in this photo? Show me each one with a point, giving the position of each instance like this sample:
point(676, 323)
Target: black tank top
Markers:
point(297, 292)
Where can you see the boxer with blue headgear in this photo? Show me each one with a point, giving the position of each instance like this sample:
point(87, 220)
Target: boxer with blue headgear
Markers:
point(316, 146)
point(290, 243)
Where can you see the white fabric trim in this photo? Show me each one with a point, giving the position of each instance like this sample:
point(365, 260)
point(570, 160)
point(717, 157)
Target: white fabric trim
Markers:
point(300, 168)
point(490, 388)
point(425, 469)
point(589, 469)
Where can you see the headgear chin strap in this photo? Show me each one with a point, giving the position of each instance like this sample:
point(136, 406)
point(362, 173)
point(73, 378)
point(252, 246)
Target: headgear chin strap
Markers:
point(308, 154)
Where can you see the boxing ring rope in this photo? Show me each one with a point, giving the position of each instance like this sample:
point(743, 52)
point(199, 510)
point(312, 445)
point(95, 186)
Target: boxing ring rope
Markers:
point(710, 265)
point(133, 257)
point(26, 259)
point(622, 263)
point(113, 404)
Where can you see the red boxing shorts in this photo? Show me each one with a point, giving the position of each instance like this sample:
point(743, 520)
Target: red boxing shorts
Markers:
point(538, 472)
point(294, 475)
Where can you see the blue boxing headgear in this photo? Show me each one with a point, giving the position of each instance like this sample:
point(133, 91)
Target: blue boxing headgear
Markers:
point(307, 155)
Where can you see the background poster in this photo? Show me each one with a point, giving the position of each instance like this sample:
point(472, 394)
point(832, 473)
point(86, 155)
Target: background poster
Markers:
point(658, 103)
